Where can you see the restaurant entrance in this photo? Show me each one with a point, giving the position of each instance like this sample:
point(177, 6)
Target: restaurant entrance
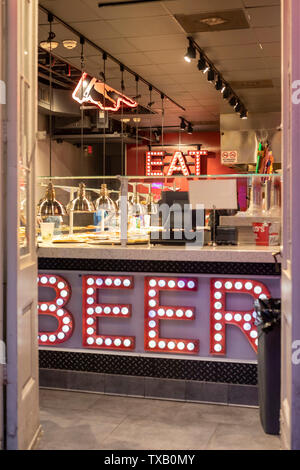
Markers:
point(65, 266)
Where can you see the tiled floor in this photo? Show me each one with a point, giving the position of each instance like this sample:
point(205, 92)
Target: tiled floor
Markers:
point(86, 421)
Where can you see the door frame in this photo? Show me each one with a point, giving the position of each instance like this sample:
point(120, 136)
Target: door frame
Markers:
point(22, 401)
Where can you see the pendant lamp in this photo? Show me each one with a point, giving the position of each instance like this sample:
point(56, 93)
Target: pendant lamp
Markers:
point(49, 206)
point(106, 210)
point(81, 203)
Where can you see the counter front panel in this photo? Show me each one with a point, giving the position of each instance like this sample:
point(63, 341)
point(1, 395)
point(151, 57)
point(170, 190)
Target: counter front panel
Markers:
point(156, 321)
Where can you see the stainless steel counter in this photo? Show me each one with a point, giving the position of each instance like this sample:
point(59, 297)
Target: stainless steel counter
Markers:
point(239, 254)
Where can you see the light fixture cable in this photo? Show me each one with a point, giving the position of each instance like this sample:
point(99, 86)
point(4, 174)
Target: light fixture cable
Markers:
point(82, 65)
point(50, 19)
point(122, 124)
point(104, 56)
point(137, 127)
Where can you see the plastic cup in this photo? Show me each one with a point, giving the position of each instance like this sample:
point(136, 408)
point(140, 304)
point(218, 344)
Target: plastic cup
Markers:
point(47, 231)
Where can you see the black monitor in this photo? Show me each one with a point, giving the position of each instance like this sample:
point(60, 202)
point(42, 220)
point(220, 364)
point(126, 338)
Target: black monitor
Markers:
point(175, 197)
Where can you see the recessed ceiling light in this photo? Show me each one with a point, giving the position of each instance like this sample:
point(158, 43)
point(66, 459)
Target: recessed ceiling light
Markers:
point(213, 21)
point(69, 43)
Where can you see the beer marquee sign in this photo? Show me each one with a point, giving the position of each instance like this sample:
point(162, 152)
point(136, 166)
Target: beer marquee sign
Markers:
point(89, 321)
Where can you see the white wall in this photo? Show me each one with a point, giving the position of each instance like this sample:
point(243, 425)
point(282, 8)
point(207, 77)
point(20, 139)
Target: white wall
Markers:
point(66, 158)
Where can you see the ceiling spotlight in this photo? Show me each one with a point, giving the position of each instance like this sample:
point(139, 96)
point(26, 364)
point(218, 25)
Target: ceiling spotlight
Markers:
point(233, 101)
point(210, 75)
point(49, 44)
point(238, 107)
point(226, 93)
point(244, 114)
point(182, 125)
point(219, 84)
point(190, 128)
point(69, 43)
point(201, 63)
point(190, 53)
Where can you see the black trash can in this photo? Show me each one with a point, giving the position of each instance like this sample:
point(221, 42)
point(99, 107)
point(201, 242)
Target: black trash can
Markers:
point(268, 315)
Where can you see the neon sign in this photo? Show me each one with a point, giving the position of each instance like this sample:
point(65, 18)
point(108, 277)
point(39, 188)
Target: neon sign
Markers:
point(160, 164)
point(155, 312)
point(91, 90)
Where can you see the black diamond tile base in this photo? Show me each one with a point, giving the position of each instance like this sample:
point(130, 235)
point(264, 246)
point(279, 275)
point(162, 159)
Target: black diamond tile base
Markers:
point(184, 267)
point(181, 369)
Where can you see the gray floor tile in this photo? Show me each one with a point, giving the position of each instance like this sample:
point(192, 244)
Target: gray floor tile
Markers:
point(60, 399)
point(241, 437)
point(150, 435)
point(221, 414)
point(86, 421)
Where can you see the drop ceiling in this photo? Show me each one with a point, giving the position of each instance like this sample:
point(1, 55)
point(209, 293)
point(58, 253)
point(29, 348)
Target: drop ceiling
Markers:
point(150, 40)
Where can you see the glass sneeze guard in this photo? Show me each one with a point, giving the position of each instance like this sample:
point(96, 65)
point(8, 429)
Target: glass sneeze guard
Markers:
point(167, 211)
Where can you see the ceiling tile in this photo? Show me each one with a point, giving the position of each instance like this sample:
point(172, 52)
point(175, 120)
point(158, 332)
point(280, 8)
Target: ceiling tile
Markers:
point(134, 58)
point(271, 34)
point(126, 11)
point(69, 10)
point(271, 49)
point(159, 25)
point(241, 64)
point(187, 7)
point(264, 16)
point(237, 52)
point(225, 38)
point(94, 30)
point(158, 43)
point(163, 57)
point(259, 3)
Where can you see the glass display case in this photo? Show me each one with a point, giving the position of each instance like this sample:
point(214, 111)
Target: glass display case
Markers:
point(218, 210)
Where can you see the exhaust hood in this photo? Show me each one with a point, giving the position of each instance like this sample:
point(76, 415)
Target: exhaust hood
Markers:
point(243, 136)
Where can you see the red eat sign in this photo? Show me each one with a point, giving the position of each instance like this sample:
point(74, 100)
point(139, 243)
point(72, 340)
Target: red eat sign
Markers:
point(156, 164)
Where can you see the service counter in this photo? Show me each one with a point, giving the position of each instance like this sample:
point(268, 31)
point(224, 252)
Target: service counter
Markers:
point(153, 321)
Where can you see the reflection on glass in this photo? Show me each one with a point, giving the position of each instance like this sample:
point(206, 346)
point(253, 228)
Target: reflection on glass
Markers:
point(106, 210)
point(23, 228)
point(138, 217)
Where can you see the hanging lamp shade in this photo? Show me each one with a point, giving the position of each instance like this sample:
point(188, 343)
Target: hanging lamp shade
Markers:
point(81, 202)
point(106, 210)
point(151, 205)
point(49, 206)
point(129, 205)
point(138, 208)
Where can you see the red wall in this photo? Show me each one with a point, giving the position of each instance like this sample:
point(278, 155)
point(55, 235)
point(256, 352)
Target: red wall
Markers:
point(210, 165)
